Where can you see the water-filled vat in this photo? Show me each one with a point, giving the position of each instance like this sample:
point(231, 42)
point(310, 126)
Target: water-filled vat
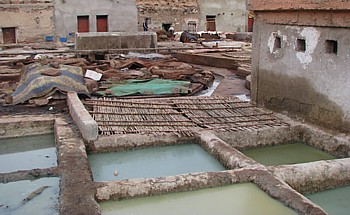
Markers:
point(29, 152)
point(335, 201)
point(39, 197)
point(287, 154)
point(245, 199)
point(152, 162)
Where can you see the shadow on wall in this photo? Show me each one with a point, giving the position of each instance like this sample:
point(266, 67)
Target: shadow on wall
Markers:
point(297, 96)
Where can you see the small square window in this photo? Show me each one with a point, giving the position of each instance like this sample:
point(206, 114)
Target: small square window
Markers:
point(331, 46)
point(278, 43)
point(301, 45)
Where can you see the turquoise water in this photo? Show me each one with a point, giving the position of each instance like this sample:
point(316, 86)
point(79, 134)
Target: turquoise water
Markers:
point(287, 154)
point(30, 152)
point(45, 203)
point(240, 199)
point(335, 201)
point(152, 162)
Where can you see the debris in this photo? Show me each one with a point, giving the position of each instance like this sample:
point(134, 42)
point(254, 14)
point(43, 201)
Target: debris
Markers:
point(147, 87)
point(34, 194)
point(35, 85)
point(187, 37)
point(93, 75)
point(39, 102)
point(51, 72)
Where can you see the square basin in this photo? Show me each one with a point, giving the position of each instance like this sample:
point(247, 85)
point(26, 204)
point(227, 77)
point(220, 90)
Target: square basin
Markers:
point(335, 201)
point(39, 197)
point(287, 154)
point(245, 199)
point(28, 152)
point(153, 162)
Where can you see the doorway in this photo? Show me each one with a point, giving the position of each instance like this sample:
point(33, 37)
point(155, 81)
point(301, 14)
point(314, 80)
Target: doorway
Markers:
point(83, 23)
point(211, 24)
point(102, 23)
point(9, 35)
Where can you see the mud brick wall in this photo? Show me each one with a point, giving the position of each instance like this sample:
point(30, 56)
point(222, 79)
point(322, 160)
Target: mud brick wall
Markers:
point(300, 59)
point(32, 19)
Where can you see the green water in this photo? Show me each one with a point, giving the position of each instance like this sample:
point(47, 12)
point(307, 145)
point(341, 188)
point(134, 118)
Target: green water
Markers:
point(335, 202)
point(30, 152)
point(152, 162)
point(12, 195)
point(240, 199)
point(287, 154)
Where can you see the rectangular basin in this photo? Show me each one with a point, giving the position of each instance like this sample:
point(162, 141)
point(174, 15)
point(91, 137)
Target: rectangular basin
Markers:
point(287, 154)
point(39, 197)
point(245, 199)
point(152, 162)
point(335, 201)
point(28, 152)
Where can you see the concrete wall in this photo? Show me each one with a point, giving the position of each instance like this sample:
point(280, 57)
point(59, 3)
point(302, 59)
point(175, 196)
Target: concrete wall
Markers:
point(312, 83)
point(116, 40)
point(33, 20)
point(231, 15)
point(122, 15)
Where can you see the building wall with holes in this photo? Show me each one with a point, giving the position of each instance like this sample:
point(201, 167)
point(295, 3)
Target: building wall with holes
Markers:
point(31, 19)
point(230, 15)
point(301, 63)
point(121, 15)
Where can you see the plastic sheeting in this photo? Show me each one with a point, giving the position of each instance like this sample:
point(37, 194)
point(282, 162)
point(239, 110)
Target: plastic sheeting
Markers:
point(34, 84)
point(147, 87)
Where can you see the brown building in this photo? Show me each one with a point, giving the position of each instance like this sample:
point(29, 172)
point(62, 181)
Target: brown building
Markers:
point(301, 59)
point(181, 14)
point(26, 20)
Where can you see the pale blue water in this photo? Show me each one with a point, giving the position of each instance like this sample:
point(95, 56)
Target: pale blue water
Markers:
point(153, 162)
point(335, 201)
point(30, 152)
point(46, 203)
point(238, 199)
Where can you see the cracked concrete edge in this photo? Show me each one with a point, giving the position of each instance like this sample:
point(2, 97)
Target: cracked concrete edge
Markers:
point(87, 125)
point(275, 187)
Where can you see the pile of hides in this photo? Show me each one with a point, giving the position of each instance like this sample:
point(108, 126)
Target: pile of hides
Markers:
point(42, 81)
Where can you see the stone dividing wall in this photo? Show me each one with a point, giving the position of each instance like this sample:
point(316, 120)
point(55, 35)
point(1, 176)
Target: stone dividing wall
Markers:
point(33, 20)
point(122, 15)
point(300, 59)
point(231, 16)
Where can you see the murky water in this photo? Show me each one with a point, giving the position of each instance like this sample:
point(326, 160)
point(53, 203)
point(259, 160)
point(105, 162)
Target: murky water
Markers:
point(287, 154)
point(335, 201)
point(152, 162)
point(24, 153)
point(240, 199)
point(12, 197)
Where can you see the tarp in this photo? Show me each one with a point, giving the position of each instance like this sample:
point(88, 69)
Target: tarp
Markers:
point(35, 84)
point(147, 87)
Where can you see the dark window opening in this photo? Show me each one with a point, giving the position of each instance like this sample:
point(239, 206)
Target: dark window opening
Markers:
point(166, 26)
point(278, 43)
point(192, 26)
point(301, 45)
point(331, 46)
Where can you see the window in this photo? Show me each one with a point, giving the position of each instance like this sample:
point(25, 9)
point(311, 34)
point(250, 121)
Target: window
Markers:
point(331, 46)
point(278, 43)
point(301, 45)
